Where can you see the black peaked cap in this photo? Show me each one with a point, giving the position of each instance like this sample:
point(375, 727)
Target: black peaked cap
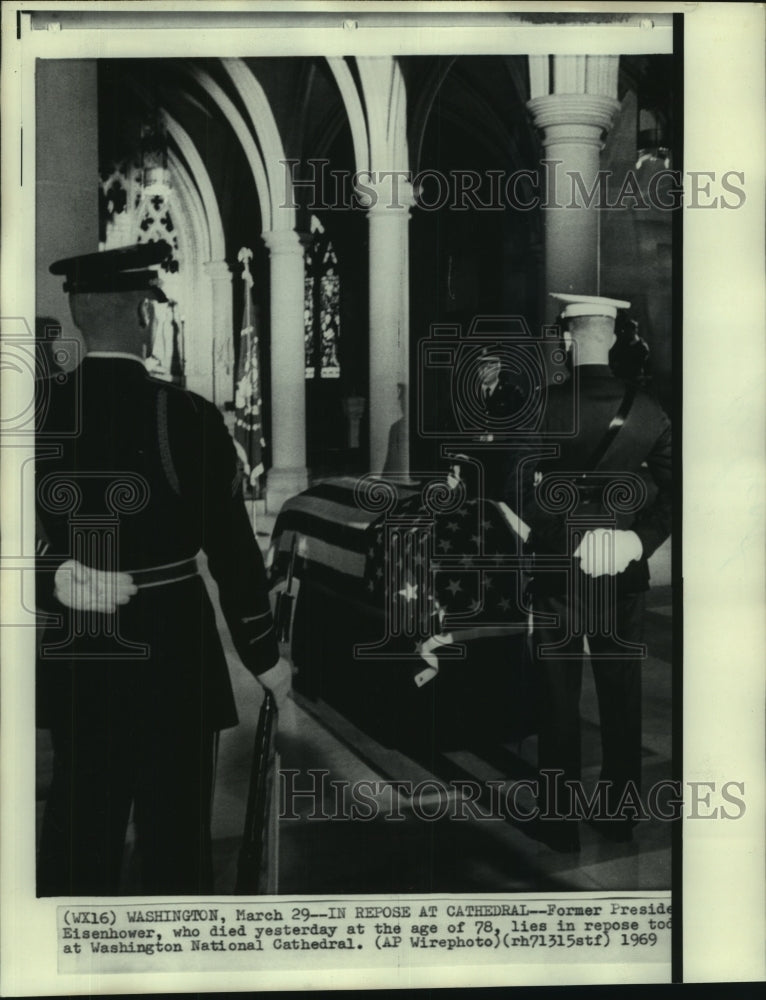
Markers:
point(122, 270)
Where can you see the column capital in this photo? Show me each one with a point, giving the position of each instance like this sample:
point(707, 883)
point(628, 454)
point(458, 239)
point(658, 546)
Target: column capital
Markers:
point(283, 242)
point(217, 270)
point(573, 74)
point(389, 192)
point(583, 119)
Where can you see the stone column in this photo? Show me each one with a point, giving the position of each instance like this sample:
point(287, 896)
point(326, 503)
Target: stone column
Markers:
point(288, 474)
point(573, 119)
point(220, 386)
point(388, 215)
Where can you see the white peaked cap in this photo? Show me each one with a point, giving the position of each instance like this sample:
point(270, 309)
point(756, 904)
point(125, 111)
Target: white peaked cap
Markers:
point(589, 305)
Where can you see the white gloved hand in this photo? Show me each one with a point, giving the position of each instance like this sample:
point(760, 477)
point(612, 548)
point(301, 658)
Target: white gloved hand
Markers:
point(279, 680)
point(606, 552)
point(86, 589)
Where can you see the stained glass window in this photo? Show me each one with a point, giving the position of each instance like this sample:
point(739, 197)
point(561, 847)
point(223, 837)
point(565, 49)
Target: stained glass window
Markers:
point(136, 205)
point(308, 323)
point(321, 305)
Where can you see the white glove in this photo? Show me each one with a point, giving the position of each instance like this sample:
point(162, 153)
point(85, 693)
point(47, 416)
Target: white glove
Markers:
point(279, 680)
point(85, 589)
point(606, 552)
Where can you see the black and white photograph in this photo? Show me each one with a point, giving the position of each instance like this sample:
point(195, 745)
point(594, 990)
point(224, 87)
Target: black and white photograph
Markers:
point(360, 495)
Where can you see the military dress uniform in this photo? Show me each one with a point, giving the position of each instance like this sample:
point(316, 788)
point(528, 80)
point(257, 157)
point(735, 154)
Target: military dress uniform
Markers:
point(133, 700)
point(499, 404)
point(569, 605)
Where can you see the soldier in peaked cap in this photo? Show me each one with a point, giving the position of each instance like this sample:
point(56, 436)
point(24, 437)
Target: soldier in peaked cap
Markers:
point(134, 478)
point(598, 505)
point(126, 269)
point(500, 399)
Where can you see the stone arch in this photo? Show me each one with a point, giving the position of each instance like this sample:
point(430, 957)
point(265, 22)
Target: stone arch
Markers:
point(282, 214)
point(239, 126)
point(202, 182)
point(195, 243)
point(354, 111)
point(207, 284)
point(288, 473)
point(376, 106)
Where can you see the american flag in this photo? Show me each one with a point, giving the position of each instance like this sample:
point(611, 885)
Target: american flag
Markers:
point(460, 569)
point(248, 404)
point(443, 581)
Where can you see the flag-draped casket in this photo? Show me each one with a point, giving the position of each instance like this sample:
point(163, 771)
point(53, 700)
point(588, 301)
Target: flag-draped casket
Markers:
point(410, 616)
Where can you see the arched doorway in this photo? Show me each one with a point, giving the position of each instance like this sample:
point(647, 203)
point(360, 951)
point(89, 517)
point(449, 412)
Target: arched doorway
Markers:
point(471, 253)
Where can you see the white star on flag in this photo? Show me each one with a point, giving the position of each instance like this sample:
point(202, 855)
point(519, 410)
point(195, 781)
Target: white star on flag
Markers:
point(410, 592)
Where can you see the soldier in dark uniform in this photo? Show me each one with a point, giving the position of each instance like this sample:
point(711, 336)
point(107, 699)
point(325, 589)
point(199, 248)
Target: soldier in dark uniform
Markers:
point(134, 477)
point(500, 400)
point(629, 359)
point(499, 395)
point(598, 506)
